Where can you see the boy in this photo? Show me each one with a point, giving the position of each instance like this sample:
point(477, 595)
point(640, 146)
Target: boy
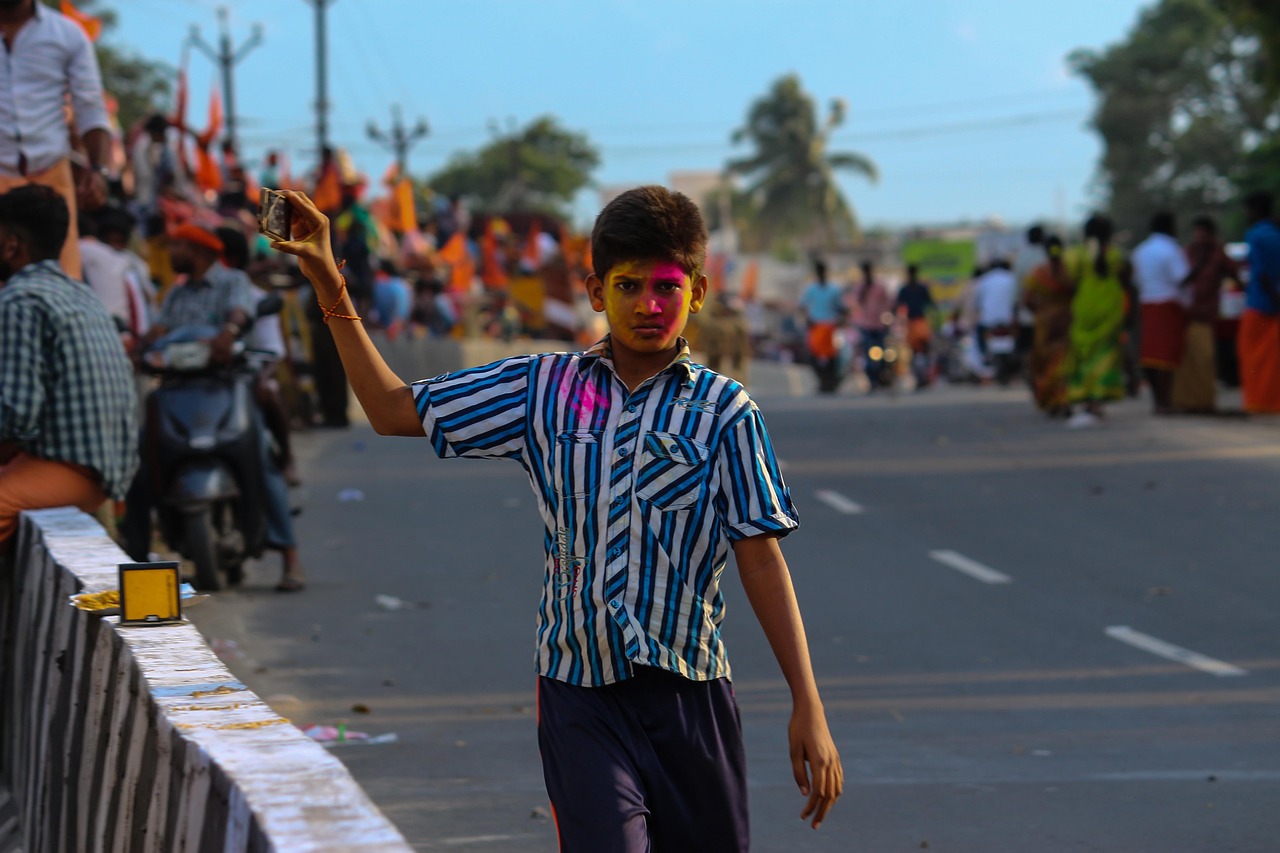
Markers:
point(647, 468)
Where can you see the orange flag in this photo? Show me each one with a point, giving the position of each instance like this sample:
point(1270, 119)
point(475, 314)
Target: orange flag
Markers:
point(215, 119)
point(750, 281)
point(463, 268)
point(328, 192)
point(92, 26)
point(406, 210)
point(491, 270)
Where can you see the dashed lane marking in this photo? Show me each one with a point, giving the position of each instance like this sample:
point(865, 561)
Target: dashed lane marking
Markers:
point(839, 502)
point(1169, 651)
point(972, 568)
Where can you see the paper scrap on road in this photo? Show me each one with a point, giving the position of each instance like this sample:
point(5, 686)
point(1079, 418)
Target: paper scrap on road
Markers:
point(972, 568)
point(1169, 651)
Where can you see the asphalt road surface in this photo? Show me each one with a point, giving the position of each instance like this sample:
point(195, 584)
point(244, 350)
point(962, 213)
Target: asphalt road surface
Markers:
point(1026, 638)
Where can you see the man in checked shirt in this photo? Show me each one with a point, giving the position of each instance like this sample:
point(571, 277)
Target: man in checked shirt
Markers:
point(68, 435)
point(648, 469)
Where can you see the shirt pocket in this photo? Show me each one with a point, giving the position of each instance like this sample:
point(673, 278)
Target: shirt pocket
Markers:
point(577, 463)
point(673, 471)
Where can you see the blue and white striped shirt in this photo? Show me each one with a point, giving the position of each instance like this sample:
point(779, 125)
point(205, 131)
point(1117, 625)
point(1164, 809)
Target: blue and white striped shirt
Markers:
point(640, 493)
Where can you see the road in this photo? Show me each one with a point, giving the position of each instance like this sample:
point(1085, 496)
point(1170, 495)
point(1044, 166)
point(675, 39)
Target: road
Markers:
point(1026, 638)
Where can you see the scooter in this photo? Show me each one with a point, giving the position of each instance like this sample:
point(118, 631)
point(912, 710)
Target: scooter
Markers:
point(209, 453)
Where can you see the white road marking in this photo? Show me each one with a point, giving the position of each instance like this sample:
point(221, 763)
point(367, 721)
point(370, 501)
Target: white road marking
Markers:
point(1169, 651)
point(972, 568)
point(839, 502)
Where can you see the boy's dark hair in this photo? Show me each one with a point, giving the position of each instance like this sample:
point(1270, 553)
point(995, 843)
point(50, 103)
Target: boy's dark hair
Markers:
point(820, 269)
point(1035, 235)
point(110, 222)
point(913, 271)
point(649, 222)
point(39, 216)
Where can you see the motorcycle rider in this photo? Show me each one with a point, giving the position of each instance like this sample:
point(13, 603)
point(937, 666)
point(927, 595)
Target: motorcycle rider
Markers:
point(217, 303)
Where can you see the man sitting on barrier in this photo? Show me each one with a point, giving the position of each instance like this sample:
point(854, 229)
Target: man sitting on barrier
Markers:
point(67, 400)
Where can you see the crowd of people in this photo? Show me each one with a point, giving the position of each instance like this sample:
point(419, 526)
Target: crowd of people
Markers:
point(164, 233)
point(1086, 323)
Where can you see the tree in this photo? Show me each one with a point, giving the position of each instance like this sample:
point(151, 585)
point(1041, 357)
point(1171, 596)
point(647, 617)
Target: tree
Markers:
point(791, 175)
point(1182, 106)
point(535, 169)
point(140, 86)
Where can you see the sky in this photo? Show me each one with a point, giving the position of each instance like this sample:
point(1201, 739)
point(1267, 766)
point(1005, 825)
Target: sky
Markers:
point(967, 107)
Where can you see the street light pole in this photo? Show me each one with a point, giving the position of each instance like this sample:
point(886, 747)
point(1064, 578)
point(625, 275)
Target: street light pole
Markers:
point(226, 58)
point(399, 140)
point(322, 75)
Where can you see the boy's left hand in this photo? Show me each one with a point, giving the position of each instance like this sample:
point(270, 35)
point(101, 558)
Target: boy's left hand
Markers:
point(811, 744)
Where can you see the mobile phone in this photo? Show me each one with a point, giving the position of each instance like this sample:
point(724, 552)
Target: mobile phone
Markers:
point(275, 216)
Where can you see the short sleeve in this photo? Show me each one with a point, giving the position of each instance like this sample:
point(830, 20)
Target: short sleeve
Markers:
point(481, 413)
point(753, 498)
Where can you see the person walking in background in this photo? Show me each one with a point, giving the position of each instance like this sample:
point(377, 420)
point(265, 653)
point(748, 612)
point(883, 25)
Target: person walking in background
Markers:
point(47, 58)
point(1032, 254)
point(823, 310)
point(1095, 368)
point(871, 309)
point(68, 425)
point(1195, 383)
point(1160, 272)
point(1047, 293)
point(915, 301)
point(1259, 338)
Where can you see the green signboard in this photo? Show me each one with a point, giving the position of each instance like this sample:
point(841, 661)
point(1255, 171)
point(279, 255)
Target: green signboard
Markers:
point(941, 261)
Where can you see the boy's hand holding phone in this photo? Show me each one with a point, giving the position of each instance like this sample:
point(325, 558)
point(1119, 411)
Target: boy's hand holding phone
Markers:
point(309, 243)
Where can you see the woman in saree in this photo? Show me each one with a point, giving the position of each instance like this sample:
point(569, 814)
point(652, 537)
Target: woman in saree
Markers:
point(1095, 362)
point(1048, 291)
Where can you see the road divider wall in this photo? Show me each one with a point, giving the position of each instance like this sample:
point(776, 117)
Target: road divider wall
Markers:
point(139, 739)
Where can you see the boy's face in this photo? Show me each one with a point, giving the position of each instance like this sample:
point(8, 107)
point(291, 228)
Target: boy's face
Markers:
point(647, 303)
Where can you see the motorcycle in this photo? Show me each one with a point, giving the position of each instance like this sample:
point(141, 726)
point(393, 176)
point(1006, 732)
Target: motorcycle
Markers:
point(209, 453)
point(1002, 353)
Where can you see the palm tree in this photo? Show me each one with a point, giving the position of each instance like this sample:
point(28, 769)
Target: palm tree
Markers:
point(792, 175)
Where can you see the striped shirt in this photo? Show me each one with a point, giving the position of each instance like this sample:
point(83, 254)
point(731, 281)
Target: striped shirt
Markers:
point(640, 493)
point(66, 386)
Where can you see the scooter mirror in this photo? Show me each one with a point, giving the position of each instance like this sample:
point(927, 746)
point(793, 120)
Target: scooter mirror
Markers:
point(268, 305)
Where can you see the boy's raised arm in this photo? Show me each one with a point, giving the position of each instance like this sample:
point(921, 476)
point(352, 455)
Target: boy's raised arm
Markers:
point(767, 582)
point(385, 398)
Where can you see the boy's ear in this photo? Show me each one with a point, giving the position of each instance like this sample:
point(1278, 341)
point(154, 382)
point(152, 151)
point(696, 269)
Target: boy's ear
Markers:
point(595, 292)
point(698, 294)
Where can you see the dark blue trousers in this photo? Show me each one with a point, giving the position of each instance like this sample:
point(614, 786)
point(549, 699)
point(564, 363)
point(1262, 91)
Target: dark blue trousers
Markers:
point(651, 764)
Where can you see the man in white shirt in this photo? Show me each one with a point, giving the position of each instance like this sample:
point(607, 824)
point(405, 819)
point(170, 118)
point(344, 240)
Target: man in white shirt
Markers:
point(994, 294)
point(1160, 273)
point(48, 56)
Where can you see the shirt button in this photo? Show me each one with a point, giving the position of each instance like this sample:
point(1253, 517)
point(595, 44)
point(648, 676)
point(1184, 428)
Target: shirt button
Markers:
point(614, 604)
point(622, 451)
point(631, 408)
point(616, 552)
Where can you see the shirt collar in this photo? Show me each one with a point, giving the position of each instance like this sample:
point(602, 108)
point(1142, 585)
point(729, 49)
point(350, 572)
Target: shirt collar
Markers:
point(601, 352)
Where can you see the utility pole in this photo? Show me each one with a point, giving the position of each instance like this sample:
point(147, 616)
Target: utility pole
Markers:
point(226, 57)
point(399, 140)
point(322, 76)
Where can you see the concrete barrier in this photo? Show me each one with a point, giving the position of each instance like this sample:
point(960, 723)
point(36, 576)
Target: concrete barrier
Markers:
point(139, 739)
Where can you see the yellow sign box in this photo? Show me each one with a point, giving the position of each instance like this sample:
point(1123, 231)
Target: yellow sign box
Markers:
point(149, 593)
